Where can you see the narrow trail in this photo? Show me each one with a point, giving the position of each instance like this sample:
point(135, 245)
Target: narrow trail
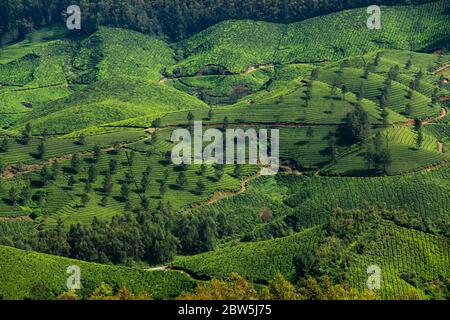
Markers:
point(160, 268)
point(18, 218)
point(248, 70)
point(13, 170)
point(253, 68)
point(445, 66)
point(220, 195)
point(410, 122)
point(62, 84)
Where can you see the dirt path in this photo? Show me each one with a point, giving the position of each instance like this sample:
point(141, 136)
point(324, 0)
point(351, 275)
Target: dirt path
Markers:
point(442, 114)
point(12, 170)
point(18, 218)
point(410, 122)
point(62, 84)
point(161, 268)
point(445, 66)
point(251, 69)
point(220, 195)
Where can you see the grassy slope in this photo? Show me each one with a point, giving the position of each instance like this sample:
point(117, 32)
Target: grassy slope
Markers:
point(237, 44)
point(22, 270)
point(258, 261)
point(106, 101)
point(400, 250)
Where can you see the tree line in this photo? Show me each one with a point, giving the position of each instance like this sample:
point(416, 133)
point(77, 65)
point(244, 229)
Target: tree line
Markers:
point(175, 19)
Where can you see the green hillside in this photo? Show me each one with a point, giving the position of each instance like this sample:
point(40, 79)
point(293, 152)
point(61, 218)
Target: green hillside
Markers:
point(234, 45)
point(401, 253)
point(23, 272)
point(86, 120)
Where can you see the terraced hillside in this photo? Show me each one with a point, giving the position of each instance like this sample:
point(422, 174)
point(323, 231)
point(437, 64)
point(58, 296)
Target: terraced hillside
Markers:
point(86, 172)
point(42, 276)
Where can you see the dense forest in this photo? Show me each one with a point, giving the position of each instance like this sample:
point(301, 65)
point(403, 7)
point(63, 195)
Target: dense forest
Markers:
point(172, 18)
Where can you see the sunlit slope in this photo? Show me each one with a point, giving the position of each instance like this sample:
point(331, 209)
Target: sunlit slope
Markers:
point(231, 45)
point(46, 67)
point(115, 52)
point(235, 45)
point(398, 251)
point(343, 34)
point(22, 271)
point(107, 101)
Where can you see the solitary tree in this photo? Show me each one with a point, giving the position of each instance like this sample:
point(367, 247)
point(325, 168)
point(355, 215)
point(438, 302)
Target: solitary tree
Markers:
point(55, 169)
point(210, 114)
point(128, 206)
point(85, 200)
point(113, 164)
point(225, 122)
point(237, 172)
point(218, 172)
point(376, 62)
point(148, 170)
point(45, 134)
point(75, 163)
point(202, 169)
point(26, 134)
point(81, 139)
point(104, 201)
point(45, 175)
point(165, 175)
point(361, 92)
point(181, 180)
point(200, 187)
point(315, 74)
point(125, 191)
point(13, 195)
point(145, 182)
point(408, 109)
point(97, 153)
point(131, 158)
point(107, 184)
point(26, 193)
point(408, 64)
point(92, 173)
point(4, 145)
point(419, 140)
point(162, 188)
point(145, 203)
point(190, 117)
point(72, 181)
point(41, 150)
point(87, 186)
point(332, 144)
point(156, 123)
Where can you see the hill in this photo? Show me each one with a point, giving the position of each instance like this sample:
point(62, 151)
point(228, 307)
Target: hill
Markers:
point(234, 45)
point(409, 260)
point(23, 272)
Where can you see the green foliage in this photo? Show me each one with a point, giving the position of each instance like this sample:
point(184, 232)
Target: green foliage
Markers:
point(46, 273)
